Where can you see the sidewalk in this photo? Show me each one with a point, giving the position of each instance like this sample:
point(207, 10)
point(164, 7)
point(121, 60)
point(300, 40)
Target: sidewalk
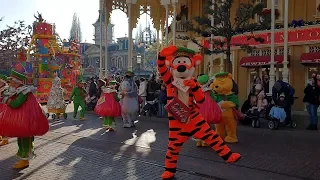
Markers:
point(82, 150)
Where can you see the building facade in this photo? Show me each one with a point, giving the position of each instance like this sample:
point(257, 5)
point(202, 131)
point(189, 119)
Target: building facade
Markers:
point(97, 35)
point(303, 48)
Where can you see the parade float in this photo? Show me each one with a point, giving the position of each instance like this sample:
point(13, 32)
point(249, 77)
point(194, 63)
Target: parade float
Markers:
point(46, 55)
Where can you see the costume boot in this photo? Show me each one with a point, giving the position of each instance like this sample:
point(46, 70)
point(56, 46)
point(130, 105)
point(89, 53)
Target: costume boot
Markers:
point(198, 143)
point(203, 144)
point(21, 164)
point(4, 142)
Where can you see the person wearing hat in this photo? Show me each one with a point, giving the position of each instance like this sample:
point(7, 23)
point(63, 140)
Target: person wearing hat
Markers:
point(78, 98)
point(3, 87)
point(18, 111)
point(108, 105)
point(285, 88)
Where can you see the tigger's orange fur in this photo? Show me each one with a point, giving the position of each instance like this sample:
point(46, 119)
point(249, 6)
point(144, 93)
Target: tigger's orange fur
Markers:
point(197, 126)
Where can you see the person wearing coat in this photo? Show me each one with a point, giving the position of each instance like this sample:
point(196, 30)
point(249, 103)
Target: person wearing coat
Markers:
point(311, 100)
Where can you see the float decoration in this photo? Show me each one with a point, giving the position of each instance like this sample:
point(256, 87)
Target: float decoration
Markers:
point(45, 56)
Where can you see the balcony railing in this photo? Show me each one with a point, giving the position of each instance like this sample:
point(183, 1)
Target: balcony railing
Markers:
point(180, 26)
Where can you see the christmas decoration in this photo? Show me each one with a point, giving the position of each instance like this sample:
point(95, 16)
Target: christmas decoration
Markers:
point(224, 28)
point(56, 104)
point(267, 12)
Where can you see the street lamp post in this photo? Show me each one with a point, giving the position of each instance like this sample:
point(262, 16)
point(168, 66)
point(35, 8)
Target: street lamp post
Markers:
point(174, 3)
point(130, 43)
point(101, 29)
point(166, 3)
point(285, 71)
point(211, 44)
point(272, 62)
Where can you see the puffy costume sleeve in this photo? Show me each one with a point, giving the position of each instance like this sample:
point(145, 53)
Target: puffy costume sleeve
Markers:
point(16, 103)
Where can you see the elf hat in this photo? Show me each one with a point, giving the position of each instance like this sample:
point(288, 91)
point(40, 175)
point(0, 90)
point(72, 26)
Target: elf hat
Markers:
point(18, 77)
point(129, 73)
point(81, 82)
point(113, 82)
point(3, 78)
point(222, 74)
point(282, 95)
point(203, 79)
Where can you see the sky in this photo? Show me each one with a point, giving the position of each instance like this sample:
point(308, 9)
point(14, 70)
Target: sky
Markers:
point(60, 13)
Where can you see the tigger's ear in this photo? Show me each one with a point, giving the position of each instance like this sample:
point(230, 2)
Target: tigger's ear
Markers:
point(197, 59)
point(168, 61)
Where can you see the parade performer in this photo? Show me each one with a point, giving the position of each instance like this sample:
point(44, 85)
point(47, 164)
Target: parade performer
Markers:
point(129, 100)
point(23, 118)
point(108, 105)
point(185, 120)
point(209, 109)
point(229, 103)
point(78, 98)
point(56, 102)
point(3, 87)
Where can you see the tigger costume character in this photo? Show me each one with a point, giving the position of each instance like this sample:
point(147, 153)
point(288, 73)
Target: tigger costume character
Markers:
point(182, 63)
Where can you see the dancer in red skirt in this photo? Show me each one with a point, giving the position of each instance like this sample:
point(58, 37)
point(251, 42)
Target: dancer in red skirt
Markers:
point(23, 118)
point(3, 87)
point(108, 105)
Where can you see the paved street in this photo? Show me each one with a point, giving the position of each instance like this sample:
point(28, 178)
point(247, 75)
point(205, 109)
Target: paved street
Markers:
point(82, 150)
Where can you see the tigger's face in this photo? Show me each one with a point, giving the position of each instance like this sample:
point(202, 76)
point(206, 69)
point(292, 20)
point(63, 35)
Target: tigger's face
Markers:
point(182, 67)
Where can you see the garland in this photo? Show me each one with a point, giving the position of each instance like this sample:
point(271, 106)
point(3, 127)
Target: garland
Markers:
point(293, 24)
point(266, 12)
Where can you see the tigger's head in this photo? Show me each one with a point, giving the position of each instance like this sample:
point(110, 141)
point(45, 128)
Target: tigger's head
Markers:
point(183, 63)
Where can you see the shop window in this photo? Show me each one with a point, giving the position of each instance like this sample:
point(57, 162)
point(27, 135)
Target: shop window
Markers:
point(313, 49)
point(267, 5)
point(267, 52)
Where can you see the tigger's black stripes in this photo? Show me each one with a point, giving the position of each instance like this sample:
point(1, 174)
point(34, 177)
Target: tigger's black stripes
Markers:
point(196, 127)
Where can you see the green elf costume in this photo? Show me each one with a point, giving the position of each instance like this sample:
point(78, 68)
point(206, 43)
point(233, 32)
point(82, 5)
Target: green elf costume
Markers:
point(26, 144)
point(3, 86)
point(78, 97)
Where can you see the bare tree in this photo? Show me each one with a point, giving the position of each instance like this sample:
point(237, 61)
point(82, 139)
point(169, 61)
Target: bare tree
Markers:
point(12, 39)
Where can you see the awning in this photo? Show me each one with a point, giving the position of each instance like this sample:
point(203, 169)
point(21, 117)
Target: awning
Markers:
point(310, 58)
point(252, 61)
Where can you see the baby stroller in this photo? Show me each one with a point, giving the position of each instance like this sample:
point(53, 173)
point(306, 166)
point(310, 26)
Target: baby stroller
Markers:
point(91, 102)
point(275, 122)
point(151, 108)
point(264, 114)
